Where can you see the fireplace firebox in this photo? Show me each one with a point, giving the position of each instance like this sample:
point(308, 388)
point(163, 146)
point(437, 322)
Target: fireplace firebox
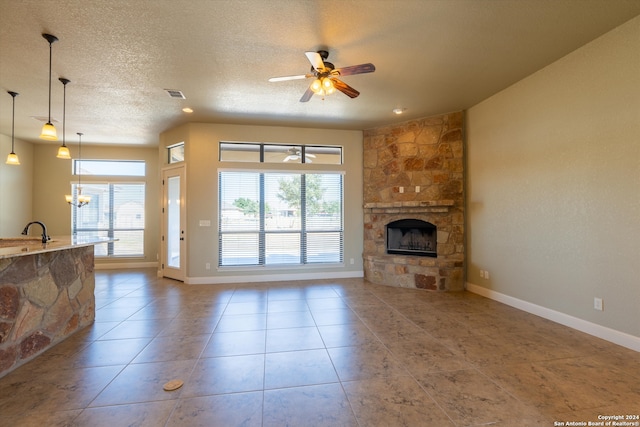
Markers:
point(412, 237)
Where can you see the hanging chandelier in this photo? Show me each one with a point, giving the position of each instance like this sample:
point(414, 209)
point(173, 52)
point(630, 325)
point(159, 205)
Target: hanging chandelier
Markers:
point(80, 199)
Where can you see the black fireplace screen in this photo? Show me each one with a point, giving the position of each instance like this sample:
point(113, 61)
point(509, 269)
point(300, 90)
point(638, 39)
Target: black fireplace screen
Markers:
point(411, 237)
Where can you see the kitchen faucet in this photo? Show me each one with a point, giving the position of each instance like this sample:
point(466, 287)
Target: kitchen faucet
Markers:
point(45, 237)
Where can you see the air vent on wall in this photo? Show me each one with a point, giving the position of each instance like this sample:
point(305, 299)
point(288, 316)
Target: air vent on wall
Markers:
point(175, 93)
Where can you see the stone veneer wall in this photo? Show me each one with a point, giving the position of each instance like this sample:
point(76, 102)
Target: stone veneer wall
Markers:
point(44, 298)
point(415, 170)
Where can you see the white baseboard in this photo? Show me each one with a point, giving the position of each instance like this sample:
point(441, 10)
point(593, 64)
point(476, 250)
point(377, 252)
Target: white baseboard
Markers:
point(125, 265)
point(215, 280)
point(621, 338)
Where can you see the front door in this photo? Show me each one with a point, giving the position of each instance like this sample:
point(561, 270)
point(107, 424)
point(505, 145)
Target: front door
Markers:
point(174, 220)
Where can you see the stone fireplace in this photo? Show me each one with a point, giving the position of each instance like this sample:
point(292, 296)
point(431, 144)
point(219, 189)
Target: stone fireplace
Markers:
point(411, 237)
point(414, 204)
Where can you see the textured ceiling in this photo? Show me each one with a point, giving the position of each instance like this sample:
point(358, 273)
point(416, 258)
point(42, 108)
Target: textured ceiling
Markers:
point(431, 57)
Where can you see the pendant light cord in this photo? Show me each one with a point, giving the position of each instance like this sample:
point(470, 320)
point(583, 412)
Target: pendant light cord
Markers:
point(64, 109)
point(13, 120)
point(50, 64)
point(79, 160)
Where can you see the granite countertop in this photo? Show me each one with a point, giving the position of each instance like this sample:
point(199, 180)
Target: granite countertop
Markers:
point(29, 245)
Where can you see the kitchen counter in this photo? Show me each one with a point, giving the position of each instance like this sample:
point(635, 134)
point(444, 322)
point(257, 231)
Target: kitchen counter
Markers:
point(29, 245)
point(46, 294)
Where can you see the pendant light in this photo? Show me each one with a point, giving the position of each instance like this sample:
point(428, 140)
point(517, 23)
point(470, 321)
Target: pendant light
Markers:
point(63, 150)
point(12, 158)
point(80, 199)
point(48, 130)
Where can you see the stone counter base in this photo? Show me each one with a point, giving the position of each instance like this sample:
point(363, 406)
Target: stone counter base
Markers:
point(44, 298)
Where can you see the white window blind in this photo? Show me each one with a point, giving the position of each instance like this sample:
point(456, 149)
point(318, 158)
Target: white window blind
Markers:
point(116, 210)
point(275, 218)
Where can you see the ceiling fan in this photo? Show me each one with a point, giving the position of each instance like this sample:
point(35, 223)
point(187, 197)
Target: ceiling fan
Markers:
point(326, 76)
point(294, 153)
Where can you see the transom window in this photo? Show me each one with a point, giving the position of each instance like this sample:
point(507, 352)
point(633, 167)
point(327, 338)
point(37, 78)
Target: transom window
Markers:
point(109, 167)
point(175, 153)
point(279, 153)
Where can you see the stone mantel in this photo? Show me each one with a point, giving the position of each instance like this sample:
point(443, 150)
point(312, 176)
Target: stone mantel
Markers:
point(432, 206)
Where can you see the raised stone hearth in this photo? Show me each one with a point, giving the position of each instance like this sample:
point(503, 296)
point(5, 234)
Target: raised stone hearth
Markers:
point(414, 170)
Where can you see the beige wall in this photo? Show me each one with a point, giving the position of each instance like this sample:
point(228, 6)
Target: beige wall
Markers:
point(201, 158)
point(16, 183)
point(553, 180)
point(52, 179)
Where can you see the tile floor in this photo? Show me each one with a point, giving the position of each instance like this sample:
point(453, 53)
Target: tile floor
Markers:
point(315, 353)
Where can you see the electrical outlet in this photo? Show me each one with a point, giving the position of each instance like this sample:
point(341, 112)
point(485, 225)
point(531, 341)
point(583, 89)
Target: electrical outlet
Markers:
point(486, 274)
point(207, 266)
point(482, 274)
point(401, 189)
point(352, 261)
point(417, 188)
point(598, 304)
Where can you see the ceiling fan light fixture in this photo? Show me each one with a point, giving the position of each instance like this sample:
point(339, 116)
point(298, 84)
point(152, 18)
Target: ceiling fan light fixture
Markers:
point(316, 86)
point(322, 86)
point(327, 85)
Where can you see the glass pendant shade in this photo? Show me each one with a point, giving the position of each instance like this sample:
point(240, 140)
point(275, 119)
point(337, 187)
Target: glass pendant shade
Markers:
point(12, 159)
point(63, 152)
point(49, 132)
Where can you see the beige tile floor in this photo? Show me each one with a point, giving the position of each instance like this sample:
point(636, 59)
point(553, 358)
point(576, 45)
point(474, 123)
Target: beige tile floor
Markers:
point(315, 353)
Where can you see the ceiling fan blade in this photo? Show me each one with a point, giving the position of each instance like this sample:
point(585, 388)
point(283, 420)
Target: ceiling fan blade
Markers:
point(356, 69)
point(285, 78)
point(344, 88)
point(307, 95)
point(316, 60)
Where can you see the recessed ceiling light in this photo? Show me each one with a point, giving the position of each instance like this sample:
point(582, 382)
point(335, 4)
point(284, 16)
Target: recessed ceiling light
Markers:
point(187, 110)
point(399, 110)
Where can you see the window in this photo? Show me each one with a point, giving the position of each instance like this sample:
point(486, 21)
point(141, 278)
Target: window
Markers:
point(279, 218)
point(175, 153)
point(109, 167)
point(279, 153)
point(116, 210)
